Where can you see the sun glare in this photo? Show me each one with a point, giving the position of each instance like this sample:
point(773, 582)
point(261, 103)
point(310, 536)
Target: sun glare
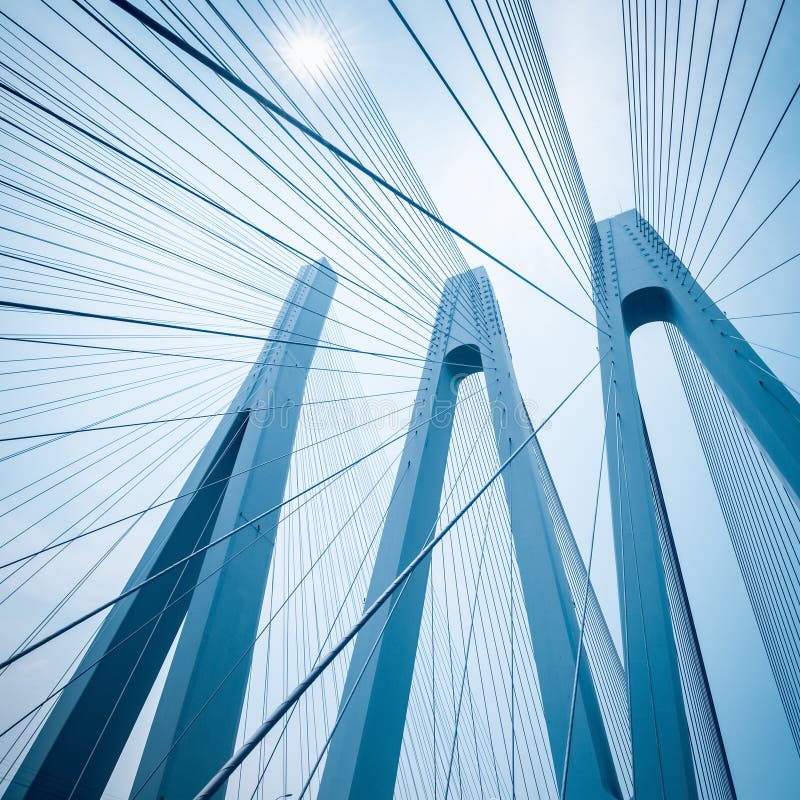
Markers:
point(309, 53)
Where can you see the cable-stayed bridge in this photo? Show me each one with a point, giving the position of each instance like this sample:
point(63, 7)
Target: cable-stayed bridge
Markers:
point(280, 517)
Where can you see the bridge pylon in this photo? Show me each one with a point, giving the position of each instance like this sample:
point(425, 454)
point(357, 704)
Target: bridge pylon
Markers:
point(641, 280)
point(242, 472)
point(362, 761)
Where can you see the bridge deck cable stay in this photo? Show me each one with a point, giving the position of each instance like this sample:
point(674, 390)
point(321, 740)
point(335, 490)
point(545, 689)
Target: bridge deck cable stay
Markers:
point(281, 514)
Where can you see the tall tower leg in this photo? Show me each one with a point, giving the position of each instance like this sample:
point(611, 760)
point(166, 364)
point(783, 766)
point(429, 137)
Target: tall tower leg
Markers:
point(662, 758)
point(194, 730)
point(79, 745)
point(548, 600)
point(645, 282)
point(363, 758)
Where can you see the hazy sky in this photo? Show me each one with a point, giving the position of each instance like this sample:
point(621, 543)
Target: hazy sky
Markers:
point(583, 40)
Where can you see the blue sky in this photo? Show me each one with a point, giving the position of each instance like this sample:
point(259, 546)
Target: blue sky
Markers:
point(583, 41)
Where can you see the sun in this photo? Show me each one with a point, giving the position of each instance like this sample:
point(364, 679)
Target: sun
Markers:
point(309, 53)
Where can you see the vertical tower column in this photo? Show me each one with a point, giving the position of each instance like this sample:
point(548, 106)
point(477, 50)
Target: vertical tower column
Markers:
point(362, 761)
point(79, 744)
point(662, 757)
point(195, 726)
point(645, 282)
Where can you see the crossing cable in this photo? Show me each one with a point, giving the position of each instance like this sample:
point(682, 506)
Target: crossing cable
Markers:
point(491, 150)
point(94, 428)
point(154, 619)
point(714, 125)
point(715, 191)
point(716, 424)
point(277, 111)
point(476, 59)
point(494, 590)
point(152, 64)
point(20, 189)
point(481, 136)
point(585, 604)
point(117, 449)
point(526, 34)
point(54, 436)
point(262, 772)
point(194, 329)
point(208, 485)
point(313, 444)
point(345, 701)
point(369, 116)
point(235, 761)
point(756, 229)
point(115, 230)
point(630, 98)
point(466, 660)
point(389, 138)
point(608, 673)
point(73, 463)
point(194, 193)
point(697, 117)
point(356, 329)
point(208, 523)
point(463, 558)
point(71, 154)
point(219, 540)
point(254, 322)
point(98, 481)
point(92, 394)
point(191, 356)
point(413, 263)
point(171, 603)
point(27, 131)
point(176, 301)
point(516, 28)
point(508, 581)
point(662, 220)
point(144, 293)
point(149, 467)
point(273, 615)
point(179, 88)
point(668, 236)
